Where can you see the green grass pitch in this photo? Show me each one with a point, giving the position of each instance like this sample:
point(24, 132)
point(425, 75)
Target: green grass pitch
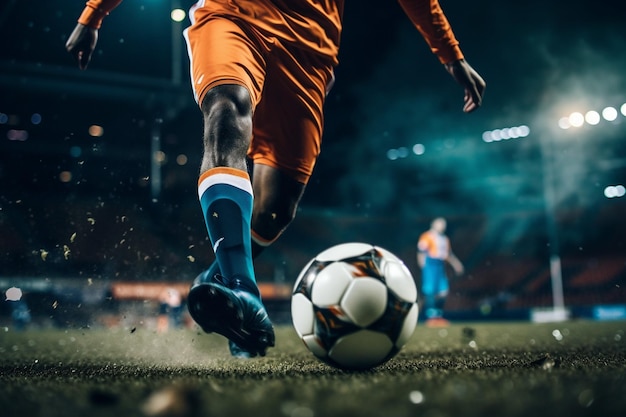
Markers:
point(574, 368)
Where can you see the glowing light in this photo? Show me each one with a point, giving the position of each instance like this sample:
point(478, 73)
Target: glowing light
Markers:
point(416, 397)
point(576, 119)
point(506, 133)
point(17, 135)
point(592, 117)
point(403, 152)
point(160, 157)
point(514, 132)
point(178, 15)
point(76, 151)
point(65, 176)
point(13, 294)
point(419, 149)
point(392, 154)
point(96, 131)
point(615, 191)
point(623, 109)
point(181, 159)
point(35, 118)
point(3, 118)
point(609, 114)
point(524, 131)
point(564, 123)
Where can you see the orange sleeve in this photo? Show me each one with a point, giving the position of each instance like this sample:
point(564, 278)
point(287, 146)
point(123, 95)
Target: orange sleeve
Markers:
point(428, 18)
point(95, 11)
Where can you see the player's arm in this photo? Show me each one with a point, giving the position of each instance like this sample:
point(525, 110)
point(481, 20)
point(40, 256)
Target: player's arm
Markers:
point(83, 39)
point(429, 19)
point(422, 249)
point(455, 263)
point(421, 259)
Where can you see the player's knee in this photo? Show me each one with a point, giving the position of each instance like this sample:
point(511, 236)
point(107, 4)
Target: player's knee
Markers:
point(269, 223)
point(227, 100)
point(227, 114)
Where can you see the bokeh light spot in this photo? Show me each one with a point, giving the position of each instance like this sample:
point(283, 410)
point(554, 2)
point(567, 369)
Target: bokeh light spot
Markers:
point(178, 15)
point(592, 117)
point(181, 159)
point(419, 149)
point(96, 131)
point(65, 176)
point(35, 118)
point(564, 123)
point(609, 114)
point(576, 119)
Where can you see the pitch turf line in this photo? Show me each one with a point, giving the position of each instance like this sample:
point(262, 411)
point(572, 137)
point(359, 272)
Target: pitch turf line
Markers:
point(573, 369)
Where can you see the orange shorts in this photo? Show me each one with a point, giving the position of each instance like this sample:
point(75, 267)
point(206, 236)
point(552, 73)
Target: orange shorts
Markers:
point(287, 85)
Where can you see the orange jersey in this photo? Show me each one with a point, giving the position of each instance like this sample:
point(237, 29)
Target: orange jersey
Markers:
point(315, 24)
point(435, 245)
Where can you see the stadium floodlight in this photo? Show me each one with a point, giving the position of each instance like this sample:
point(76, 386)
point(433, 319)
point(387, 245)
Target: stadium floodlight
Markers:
point(178, 15)
point(576, 119)
point(524, 131)
point(609, 114)
point(592, 117)
point(506, 133)
point(615, 191)
point(564, 123)
point(419, 149)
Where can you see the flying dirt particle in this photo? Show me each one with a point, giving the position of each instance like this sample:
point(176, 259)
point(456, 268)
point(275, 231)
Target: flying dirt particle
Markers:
point(73, 237)
point(91, 220)
point(13, 294)
point(133, 330)
point(585, 398)
point(416, 397)
point(172, 401)
point(469, 333)
point(44, 254)
point(191, 258)
point(66, 252)
point(55, 305)
point(546, 363)
point(89, 281)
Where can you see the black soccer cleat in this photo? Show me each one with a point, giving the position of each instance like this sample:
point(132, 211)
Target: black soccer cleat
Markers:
point(238, 352)
point(234, 313)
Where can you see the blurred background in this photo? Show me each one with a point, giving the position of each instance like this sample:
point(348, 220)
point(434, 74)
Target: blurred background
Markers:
point(98, 204)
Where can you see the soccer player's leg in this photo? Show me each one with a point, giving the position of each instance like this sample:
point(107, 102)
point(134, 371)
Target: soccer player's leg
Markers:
point(227, 80)
point(428, 290)
point(231, 306)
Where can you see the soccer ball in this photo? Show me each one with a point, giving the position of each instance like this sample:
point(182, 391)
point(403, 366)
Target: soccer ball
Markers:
point(354, 305)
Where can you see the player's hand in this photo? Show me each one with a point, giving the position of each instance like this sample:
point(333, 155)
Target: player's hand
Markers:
point(471, 81)
point(81, 44)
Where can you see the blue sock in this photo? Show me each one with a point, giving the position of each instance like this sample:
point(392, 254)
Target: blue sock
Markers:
point(208, 274)
point(226, 200)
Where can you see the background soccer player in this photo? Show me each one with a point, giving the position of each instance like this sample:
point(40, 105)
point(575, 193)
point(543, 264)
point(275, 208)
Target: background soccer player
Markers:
point(260, 72)
point(433, 251)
